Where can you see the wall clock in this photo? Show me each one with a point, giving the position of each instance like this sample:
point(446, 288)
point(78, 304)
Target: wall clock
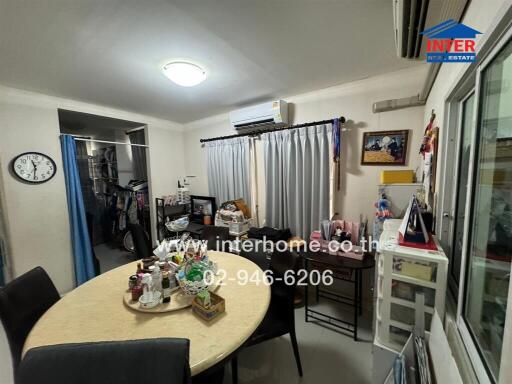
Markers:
point(34, 167)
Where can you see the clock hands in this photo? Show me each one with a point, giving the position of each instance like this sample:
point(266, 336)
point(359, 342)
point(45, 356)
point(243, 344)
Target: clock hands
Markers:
point(35, 169)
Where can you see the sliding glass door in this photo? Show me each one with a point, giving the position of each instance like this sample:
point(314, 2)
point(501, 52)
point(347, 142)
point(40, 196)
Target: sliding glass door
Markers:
point(489, 244)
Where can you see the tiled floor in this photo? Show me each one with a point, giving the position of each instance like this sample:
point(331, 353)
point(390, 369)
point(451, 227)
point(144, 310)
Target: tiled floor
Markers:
point(327, 356)
point(111, 257)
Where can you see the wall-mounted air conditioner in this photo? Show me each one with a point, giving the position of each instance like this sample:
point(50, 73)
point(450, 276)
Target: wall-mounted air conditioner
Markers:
point(271, 113)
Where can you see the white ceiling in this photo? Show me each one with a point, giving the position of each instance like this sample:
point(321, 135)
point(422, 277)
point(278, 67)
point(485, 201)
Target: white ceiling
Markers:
point(109, 51)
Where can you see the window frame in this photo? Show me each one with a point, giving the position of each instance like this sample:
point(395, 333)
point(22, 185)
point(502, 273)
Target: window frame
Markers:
point(456, 179)
point(469, 79)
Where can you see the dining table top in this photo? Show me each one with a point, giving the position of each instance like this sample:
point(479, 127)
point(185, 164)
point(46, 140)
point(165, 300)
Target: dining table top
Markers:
point(95, 312)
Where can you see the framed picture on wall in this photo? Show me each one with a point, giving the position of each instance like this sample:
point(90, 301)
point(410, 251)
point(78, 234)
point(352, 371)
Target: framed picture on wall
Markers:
point(384, 148)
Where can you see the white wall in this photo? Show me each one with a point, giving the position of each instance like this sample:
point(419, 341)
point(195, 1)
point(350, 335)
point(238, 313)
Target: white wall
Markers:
point(166, 159)
point(29, 121)
point(30, 207)
point(124, 158)
point(479, 15)
point(354, 101)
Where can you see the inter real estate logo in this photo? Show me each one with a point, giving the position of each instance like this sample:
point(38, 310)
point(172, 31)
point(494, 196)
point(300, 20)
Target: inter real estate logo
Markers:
point(450, 42)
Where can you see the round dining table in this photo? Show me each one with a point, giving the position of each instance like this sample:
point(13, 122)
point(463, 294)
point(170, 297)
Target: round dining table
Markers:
point(95, 311)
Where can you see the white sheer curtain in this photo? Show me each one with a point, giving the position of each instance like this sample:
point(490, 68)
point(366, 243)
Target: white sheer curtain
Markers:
point(297, 178)
point(229, 175)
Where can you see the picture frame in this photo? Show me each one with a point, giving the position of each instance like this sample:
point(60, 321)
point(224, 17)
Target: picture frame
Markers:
point(199, 205)
point(385, 147)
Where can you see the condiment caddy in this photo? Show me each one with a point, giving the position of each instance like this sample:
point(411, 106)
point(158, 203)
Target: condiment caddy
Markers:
point(179, 280)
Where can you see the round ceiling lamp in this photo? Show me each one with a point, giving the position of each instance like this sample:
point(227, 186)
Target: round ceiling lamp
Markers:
point(184, 73)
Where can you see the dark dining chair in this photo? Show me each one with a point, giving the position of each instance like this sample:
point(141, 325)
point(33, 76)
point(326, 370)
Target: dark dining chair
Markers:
point(141, 241)
point(159, 361)
point(22, 302)
point(214, 236)
point(280, 317)
point(213, 375)
point(252, 249)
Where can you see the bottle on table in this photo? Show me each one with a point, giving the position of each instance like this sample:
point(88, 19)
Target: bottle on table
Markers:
point(136, 293)
point(166, 287)
point(172, 280)
point(156, 276)
point(147, 287)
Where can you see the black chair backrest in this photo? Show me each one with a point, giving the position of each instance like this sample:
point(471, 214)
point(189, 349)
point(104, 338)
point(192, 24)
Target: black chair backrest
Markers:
point(253, 249)
point(141, 242)
point(22, 302)
point(282, 291)
point(214, 236)
point(283, 261)
point(157, 361)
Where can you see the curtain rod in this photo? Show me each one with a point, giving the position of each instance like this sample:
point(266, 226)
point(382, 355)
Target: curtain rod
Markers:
point(255, 133)
point(77, 138)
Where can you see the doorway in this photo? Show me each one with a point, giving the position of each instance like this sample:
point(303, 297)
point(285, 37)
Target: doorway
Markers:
point(111, 158)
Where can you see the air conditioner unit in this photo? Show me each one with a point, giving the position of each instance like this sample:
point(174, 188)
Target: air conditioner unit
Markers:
point(411, 17)
point(271, 113)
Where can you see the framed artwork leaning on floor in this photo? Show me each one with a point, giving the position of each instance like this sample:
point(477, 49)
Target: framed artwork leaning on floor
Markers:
point(384, 148)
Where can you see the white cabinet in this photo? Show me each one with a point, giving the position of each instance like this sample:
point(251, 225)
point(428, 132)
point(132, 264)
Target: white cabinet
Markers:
point(401, 273)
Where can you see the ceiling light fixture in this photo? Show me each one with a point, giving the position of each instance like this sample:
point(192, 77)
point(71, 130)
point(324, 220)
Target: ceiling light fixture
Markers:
point(184, 73)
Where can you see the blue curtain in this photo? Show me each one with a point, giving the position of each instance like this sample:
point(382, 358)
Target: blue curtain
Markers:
point(82, 249)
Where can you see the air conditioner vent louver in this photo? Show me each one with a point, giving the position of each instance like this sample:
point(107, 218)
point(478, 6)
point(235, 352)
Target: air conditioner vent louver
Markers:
point(411, 17)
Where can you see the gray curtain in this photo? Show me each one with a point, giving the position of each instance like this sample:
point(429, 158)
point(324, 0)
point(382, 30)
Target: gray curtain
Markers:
point(297, 178)
point(138, 155)
point(229, 175)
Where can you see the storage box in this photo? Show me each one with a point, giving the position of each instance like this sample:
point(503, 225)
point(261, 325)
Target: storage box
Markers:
point(397, 177)
point(218, 305)
point(235, 229)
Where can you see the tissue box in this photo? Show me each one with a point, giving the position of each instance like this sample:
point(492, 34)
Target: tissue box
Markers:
point(397, 177)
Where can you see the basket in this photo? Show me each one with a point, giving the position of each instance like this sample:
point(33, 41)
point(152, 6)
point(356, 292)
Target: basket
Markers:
point(192, 288)
point(218, 305)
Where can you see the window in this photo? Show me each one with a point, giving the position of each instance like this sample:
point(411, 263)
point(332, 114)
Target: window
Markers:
point(466, 127)
point(475, 204)
point(489, 249)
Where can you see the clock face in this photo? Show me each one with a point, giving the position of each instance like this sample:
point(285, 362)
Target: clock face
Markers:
point(34, 167)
